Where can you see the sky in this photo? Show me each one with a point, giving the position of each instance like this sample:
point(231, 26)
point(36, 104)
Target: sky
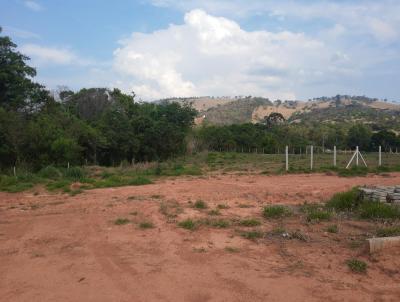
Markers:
point(281, 49)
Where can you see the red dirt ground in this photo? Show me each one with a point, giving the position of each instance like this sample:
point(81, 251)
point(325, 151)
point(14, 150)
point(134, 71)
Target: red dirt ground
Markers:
point(56, 247)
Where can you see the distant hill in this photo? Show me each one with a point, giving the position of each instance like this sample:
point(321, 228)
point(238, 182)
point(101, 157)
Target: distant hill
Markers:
point(338, 109)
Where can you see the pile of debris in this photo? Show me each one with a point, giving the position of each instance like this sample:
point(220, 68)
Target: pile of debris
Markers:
point(381, 194)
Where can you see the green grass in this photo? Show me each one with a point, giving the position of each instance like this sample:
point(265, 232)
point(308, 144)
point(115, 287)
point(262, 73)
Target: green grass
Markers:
point(200, 204)
point(121, 221)
point(388, 231)
point(220, 223)
point(353, 171)
point(188, 224)
point(251, 222)
point(357, 266)
point(146, 225)
point(376, 210)
point(344, 201)
point(231, 249)
point(252, 235)
point(332, 229)
point(276, 212)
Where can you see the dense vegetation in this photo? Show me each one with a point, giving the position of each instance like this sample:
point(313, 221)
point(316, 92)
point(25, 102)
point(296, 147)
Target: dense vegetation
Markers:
point(92, 126)
point(108, 127)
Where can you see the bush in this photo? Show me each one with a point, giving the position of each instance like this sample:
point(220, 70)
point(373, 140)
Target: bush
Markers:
point(374, 210)
point(357, 266)
point(276, 211)
point(344, 201)
point(13, 184)
point(50, 172)
point(332, 229)
point(74, 173)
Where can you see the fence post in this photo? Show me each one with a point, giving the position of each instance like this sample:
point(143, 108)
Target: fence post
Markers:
point(287, 158)
point(334, 156)
point(312, 157)
point(15, 171)
point(357, 155)
point(68, 165)
point(380, 156)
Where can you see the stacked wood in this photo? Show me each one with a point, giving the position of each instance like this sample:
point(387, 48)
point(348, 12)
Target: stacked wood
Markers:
point(381, 194)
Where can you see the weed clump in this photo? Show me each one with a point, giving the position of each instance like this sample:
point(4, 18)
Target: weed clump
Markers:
point(252, 235)
point(357, 266)
point(276, 211)
point(332, 229)
point(121, 221)
point(388, 232)
point(376, 210)
point(146, 225)
point(188, 224)
point(319, 215)
point(200, 204)
point(344, 201)
point(250, 222)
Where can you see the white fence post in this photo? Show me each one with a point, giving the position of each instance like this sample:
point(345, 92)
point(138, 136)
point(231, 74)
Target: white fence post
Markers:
point(312, 157)
point(15, 171)
point(380, 156)
point(334, 156)
point(287, 158)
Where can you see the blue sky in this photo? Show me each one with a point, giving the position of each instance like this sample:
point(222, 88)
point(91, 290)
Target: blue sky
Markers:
point(161, 48)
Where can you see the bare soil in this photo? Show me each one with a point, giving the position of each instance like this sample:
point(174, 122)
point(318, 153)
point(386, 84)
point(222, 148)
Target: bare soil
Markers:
point(56, 247)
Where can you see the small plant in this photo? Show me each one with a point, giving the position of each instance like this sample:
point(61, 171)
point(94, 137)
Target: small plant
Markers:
point(214, 212)
point(276, 211)
point(252, 235)
point(74, 173)
point(332, 229)
point(146, 225)
point(388, 231)
point(357, 266)
point(188, 224)
point(121, 221)
point(222, 206)
point(250, 222)
point(200, 204)
point(231, 249)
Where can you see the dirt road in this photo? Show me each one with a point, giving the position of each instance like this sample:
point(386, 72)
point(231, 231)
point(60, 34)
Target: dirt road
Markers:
point(55, 247)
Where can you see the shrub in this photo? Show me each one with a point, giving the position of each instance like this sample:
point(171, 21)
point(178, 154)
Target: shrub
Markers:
point(74, 173)
point(252, 235)
point(50, 172)
point(388, 232)
point(276, 211)
point(344, 201)
point(188, 224)
point(357, 266)
point(249, 222)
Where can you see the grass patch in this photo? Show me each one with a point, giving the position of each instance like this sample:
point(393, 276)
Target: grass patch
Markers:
point(388, 231)
point(357, 266)
point(319, 215)
point(231, 249)
point(188, 224)
point(276, 212)
point(121, 221)
point(146, 225)
point(220, 223)
point(214, 212)
point(332, 229)
point(352, 172)
point(200, 204)
point(376, 210)
point(344, 201)
point(252, 235)
point(251, 222)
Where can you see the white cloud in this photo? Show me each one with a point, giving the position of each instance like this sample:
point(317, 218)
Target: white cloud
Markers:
point(43, 55)
point(32, 5)
point(209, 55)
